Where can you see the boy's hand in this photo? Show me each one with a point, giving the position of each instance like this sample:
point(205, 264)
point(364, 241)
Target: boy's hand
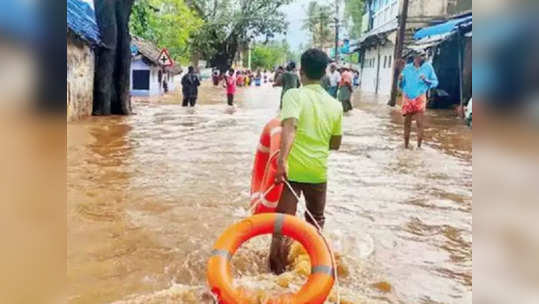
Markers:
point(282, 172)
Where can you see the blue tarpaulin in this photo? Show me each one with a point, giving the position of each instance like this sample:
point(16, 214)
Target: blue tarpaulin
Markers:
point(442, 28)
point(81, 20)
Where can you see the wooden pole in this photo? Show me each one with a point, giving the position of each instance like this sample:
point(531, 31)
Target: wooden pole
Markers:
point(399, 45)
point(460, 49)
point(337, 32)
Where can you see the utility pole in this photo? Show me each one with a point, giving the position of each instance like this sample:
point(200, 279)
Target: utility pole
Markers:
point(337, 25)
point(249, 46)
point(398, 52)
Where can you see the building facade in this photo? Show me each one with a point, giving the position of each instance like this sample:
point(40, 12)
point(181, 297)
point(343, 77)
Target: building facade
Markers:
point(82, 38)
point(377, 42)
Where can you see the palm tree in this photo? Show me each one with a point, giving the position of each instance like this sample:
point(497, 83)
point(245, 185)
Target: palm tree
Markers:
point(318, 23)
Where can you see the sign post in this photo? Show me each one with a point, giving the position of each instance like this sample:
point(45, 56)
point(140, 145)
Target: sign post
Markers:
point(164, 59)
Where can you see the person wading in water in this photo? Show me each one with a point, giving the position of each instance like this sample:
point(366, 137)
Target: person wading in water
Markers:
point(230, 86)
point(288, 80)
point(345, 90)
point(334, 79)
point(311, 123)
point(190, 84)
point(415, 80)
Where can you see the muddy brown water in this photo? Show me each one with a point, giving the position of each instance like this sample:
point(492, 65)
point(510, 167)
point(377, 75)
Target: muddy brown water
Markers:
point(148, 195)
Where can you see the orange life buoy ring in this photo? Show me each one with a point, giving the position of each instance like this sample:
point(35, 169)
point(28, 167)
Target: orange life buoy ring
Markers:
point(264, 169)
point(319, 283)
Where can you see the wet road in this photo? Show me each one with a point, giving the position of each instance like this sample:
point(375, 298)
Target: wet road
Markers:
point(148, 195)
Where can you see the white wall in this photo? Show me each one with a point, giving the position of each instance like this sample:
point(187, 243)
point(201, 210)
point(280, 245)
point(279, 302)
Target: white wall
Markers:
point(155, 86)
point(370, 75)
point(386, 12)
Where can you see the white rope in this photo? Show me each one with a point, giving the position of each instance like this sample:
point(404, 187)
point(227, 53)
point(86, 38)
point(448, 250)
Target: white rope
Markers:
point(259, 199)
point(325, 241)
point(263, 196)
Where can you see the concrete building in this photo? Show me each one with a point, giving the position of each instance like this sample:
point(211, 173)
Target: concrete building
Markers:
point(377, 43)
point(82, 38)
point(147, 74)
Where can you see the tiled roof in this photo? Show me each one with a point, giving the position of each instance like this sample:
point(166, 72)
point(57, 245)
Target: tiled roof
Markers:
point(81, 20)
point(151, 52)
point(146, 49)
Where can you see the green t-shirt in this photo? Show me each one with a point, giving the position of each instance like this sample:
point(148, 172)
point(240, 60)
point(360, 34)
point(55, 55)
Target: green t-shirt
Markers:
point(319, 118)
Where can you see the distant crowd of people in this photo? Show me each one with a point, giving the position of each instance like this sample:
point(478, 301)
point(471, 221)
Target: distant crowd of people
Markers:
point(243, 78)
point(338, 82)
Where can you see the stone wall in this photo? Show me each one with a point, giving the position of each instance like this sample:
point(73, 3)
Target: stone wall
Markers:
point(80, 78)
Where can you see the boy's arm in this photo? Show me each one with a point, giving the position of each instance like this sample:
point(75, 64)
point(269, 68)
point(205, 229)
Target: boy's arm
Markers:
point(336, 137)
point(290, 114)
point(335, 142)
point(288, 134)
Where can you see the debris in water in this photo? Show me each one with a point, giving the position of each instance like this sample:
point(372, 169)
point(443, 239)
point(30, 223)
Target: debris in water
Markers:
point(382, 286)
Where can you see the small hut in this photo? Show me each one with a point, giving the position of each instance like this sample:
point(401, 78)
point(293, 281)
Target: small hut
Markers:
point(148, 76)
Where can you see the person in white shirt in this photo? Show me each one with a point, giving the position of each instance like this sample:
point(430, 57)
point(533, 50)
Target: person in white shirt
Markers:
point(334, 79)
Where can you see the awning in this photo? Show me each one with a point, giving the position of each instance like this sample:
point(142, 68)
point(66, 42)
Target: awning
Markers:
point(445, 28)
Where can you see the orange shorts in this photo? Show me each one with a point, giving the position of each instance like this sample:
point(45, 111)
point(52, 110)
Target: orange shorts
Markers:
point(413, 106)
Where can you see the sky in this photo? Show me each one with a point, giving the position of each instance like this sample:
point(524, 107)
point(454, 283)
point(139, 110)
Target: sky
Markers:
point(295, 14)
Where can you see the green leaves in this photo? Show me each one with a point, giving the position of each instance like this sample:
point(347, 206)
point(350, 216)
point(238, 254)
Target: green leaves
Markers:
point(167, 23)
point(270, 55)
point(229, 24)
point(320, 24)
point(353, 12)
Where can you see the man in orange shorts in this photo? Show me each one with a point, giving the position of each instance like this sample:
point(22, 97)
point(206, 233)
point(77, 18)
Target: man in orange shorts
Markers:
point(415, 80)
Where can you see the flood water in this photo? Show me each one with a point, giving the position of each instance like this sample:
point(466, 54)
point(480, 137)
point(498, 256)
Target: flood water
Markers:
point(148, 195)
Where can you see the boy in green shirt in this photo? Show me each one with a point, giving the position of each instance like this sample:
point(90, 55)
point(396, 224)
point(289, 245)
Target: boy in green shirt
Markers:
point(311, 126)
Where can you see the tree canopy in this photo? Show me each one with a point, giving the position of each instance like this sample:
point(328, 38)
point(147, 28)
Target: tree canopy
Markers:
point(270, 55)
point(167, 23)
point(230, 24)
point(353, 17)
point(319, 24)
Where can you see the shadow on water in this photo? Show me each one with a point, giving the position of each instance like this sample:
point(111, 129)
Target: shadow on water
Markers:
point(148, 195)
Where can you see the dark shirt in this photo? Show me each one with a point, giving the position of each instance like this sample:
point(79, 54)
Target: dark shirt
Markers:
point(289, 80)
point(190, 83)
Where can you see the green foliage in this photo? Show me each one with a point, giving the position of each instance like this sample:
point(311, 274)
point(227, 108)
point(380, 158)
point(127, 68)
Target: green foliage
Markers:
point(271, 55)
point(319, 24)
point(353, 13)
point(167, 23)
point(351, 58)
point(230, 24)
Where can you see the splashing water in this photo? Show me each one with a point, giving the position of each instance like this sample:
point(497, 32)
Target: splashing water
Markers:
point(150, 193)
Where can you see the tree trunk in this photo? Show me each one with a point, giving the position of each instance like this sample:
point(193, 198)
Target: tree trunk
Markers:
point(224, 58)
point(113, 58)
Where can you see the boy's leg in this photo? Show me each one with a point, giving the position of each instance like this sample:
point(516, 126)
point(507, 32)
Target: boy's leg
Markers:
point(419, 118)
point(315, 197)
point(280, 244)
point(230, 99)
point(407, 129)
point(185, 102)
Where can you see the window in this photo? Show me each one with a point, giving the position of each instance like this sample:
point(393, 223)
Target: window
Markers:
point(141, 80)
point(390, 58)
point(385, 61)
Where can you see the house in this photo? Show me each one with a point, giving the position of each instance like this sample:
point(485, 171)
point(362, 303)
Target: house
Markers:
point(82, 38)
point(449, 46)
point(376, 45)
point(147, 74)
